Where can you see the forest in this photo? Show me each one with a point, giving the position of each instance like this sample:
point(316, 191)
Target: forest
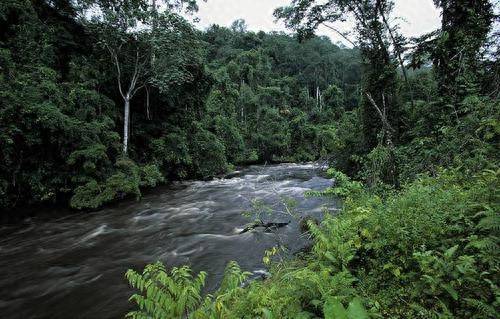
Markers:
point(102, 101)
point(210, 100)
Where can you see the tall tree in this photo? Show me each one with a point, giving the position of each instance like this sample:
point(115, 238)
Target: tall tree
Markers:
point(147, 47)
point(457, 50)
point(380, 105)
point(465, 26)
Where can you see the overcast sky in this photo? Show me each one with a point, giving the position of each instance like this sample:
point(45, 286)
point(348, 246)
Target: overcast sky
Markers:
point(420, 16)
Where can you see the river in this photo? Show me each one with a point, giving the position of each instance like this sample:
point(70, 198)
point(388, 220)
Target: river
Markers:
point(73, 266)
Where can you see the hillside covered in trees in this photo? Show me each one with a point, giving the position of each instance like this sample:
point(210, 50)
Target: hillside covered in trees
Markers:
point(101, 100)
point(196, 103)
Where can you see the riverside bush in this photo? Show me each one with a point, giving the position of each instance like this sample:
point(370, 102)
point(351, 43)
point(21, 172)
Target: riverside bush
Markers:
point(127, 181)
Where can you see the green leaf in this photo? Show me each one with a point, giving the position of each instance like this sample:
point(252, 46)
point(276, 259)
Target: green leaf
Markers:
point(316, 302)
point(267, 313)
point(330, 256)
point(356, 310)
point(453, 293)
point(397, 272)
point(450, 251)
point(333, 309)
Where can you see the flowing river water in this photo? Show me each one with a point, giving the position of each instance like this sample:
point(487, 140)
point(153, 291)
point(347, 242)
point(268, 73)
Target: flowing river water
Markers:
point(73, 267)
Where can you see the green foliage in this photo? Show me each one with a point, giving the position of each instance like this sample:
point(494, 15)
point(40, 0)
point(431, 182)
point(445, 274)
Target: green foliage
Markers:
point(379, 167)
point(150, 176)
point(222, 120)
point(424, 237)
point(420, 239)
point(343, 185)
point(265, 84)
point(271, 135)
point(47, 134)
point(165, 296)
point(327, 140)
point(172, 153)
point(469, 145)
point(427, 251)
point(333, 309)
point(126, 181)
point(177, 294)
point(198, 101)
point(334, 100)
point(208, 157)
point(464, 31)
point(349, 146)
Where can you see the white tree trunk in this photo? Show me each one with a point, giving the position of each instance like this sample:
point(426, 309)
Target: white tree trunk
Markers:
point(148, 113)
point(126, 124)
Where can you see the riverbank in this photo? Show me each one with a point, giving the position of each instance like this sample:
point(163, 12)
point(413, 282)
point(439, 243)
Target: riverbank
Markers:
point(428, 250)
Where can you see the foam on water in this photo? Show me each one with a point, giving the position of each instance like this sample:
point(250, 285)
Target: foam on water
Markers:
point(102, 229)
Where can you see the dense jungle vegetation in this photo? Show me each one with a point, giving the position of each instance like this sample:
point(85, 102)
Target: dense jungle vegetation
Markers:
point(103, 99)
point(197, 102)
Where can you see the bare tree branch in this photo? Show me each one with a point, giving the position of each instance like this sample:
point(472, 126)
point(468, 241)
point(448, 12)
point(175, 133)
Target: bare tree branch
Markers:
point(135, 76)
point(381, 113)
point(341, 34)
point(114, 56)
point(399, 54)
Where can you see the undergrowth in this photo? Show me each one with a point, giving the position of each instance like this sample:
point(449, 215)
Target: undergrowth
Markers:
point(427, 251)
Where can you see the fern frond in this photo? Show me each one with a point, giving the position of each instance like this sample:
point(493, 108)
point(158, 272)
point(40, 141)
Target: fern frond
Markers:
point(488, 245)
point(162, 295)
point(483, 308)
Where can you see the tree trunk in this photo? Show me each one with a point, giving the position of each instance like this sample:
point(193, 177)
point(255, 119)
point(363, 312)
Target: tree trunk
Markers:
point(148, 113)
point(318, 98)
point(126, 124)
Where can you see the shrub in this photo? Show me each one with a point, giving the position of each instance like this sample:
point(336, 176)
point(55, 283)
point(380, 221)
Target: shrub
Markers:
point(126, 181)
point(429, 251)
point(150, 176)
point(171, 153)
point(471, 144)
point(348, 146)
point(343, 186)
point(207, 153)
point(177, 294)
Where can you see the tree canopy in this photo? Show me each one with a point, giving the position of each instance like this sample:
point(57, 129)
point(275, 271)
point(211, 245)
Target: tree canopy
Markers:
point(189, 103)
